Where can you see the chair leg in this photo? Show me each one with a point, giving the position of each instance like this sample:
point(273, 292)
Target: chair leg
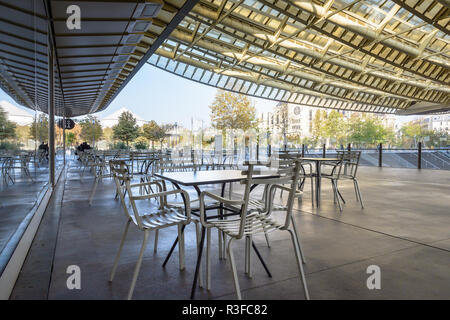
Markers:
point(181, 246)
point(155, 244)
point(266, 235)
point(233, 270)
point(312, 191)
point(224, 247)
point(336, 194)
point(198, 228)
point(356, 191)
point(339, 193)
point(208, 259)
point(116, 260)
point(138, 265)
point(359, 193)
point(297, 238)
point(249, 256)
point(299, 264)
point(91, 197)
point(219, 237)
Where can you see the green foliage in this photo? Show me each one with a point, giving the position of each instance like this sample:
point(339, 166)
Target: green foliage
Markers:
point(118, 146)
point(369, 131)
point(141, 143)
point(154, 132)
point(126, 129)
point(318, 127)
point(91, 130)
point(5, 145)
point(335, 127)
point(70, 138)
point(39, 128)
point(7, 128)
point(232, 111)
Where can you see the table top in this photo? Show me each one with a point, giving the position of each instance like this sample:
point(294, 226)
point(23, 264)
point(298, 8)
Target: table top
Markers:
point(319, 159)
point(192, 178)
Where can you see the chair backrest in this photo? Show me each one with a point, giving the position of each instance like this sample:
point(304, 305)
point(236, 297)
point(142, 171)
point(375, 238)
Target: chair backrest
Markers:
point(289, 173)
point(349, 162)
point(120, 172)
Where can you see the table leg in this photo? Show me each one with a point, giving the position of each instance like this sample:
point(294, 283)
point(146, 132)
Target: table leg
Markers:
point(261, 259)
point(199, 260)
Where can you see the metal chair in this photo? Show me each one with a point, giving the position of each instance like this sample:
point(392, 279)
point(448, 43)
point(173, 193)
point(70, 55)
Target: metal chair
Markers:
point(345, 169)
point(250, 223)
point(159, 218)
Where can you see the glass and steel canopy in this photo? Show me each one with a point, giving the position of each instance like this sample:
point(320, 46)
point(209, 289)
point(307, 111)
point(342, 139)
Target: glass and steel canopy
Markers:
point(364, 55)
point(376, 56)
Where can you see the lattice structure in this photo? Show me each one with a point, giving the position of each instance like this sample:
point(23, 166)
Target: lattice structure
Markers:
point(381, 56)
point(376, 56)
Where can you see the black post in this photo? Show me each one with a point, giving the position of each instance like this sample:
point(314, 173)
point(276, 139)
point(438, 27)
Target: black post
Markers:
point(324, 150)
point(419, 156)
point(380, 155)
point(303, 150)
point(257, 151)
point(51, 114)
point(270, 150)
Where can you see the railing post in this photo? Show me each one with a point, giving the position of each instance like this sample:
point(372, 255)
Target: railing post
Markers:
point(419, 156)
point(380, 155)
point(257, 151)
point(303, 150)
point(270, 150)
point(324, 148)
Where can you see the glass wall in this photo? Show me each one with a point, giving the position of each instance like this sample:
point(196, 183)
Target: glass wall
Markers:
point(24, 138)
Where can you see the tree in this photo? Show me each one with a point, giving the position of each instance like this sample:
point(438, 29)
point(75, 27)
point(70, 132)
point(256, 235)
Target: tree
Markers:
point(165, 128)
point(232, 111)
point(153, 132)
point(91, 130)
point(141, 143)
point(126, 129)
point(335, 127)
point(7, 128)
point(283, 120)
point(318, 127)
point(39, 128)
point(367, 129)
point(70, 138)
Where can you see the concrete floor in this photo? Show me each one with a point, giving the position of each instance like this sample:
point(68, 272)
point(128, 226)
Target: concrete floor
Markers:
point(404, 229)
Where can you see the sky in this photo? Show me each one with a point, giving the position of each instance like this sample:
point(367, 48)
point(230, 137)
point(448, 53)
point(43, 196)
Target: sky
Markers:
point(154, 94)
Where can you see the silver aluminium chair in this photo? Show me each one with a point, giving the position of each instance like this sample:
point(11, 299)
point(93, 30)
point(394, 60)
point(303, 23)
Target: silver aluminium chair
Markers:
point(158, 218)
point(250, 223)
point(345, 169)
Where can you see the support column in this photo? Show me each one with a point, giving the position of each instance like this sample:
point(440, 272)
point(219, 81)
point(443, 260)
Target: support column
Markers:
point(51, 114)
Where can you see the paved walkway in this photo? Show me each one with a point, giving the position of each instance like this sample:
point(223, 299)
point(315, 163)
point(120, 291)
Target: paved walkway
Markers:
point(404, 230)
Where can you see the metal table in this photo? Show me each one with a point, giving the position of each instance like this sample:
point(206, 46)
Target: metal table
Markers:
point(198, 178)
point(318, 164)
